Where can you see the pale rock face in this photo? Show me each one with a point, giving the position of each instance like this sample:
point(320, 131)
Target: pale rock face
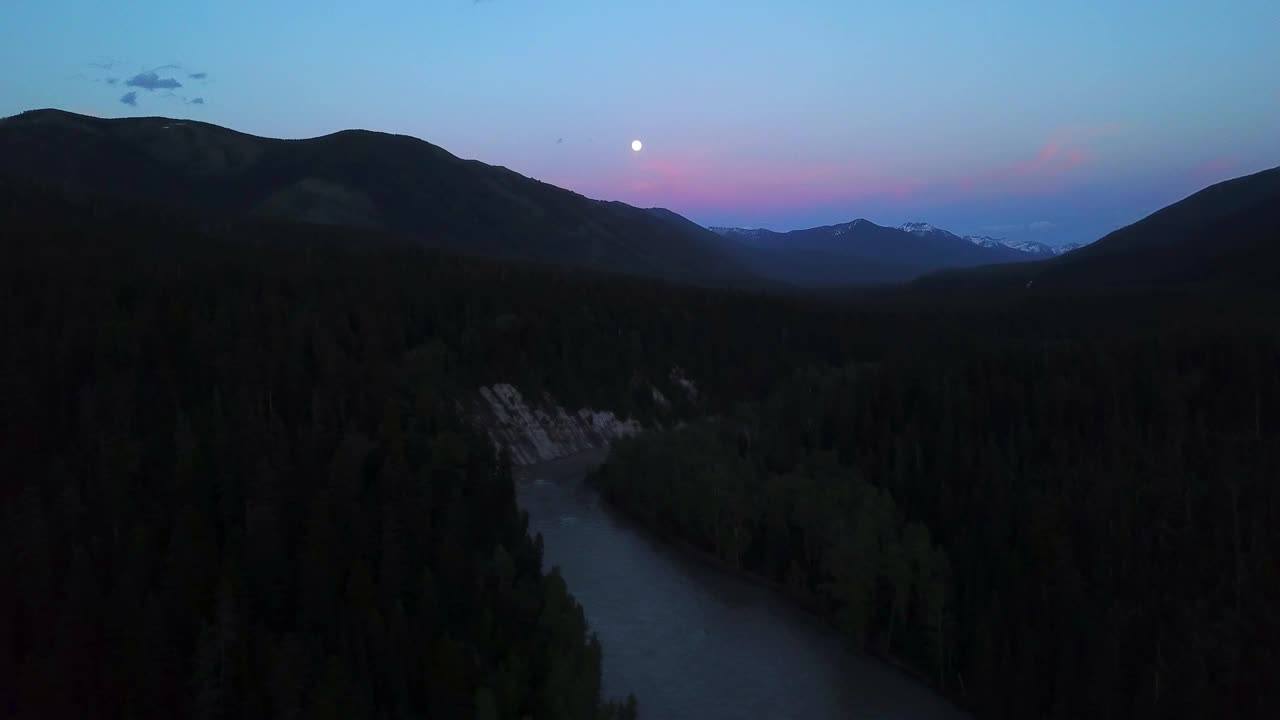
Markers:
point(545, 431)
point(659, 398)
point(678, 377)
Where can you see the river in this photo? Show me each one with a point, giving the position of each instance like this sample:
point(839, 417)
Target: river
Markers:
point(692, 641)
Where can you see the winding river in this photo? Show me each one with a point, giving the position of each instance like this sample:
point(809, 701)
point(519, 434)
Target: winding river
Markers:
point(692, 641)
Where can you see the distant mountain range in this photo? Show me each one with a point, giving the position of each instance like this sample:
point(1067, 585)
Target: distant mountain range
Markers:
point(389, 183)
point(1031, 247)
point(920, 229)
point(411, 189)
point(861, 252)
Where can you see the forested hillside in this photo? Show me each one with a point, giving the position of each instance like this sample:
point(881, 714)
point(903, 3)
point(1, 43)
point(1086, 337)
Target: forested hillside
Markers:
point(235, 485)
point(1079, 528)
point(362, 179)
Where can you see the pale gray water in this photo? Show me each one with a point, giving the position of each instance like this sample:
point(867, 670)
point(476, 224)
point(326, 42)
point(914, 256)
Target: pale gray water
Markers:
point(694, 642)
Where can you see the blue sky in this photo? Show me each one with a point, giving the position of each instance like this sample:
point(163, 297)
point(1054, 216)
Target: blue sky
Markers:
point(1048, 120)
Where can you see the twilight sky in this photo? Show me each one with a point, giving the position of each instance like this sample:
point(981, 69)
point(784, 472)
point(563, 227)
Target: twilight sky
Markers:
point(1054, 120)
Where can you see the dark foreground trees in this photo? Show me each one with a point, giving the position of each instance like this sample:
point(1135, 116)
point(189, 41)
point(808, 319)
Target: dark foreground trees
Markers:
point(1069, 529)
point(235, 485)
point(234, 482)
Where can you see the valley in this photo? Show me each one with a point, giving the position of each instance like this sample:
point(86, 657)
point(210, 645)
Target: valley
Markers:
point(690, 639)
point(568, 360)
point(316, 446)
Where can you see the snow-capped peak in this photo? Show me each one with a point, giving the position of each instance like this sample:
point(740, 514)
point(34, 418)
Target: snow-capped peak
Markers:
point(919, 228)
point(1031, 247)
point(984, 240)
point(740, 232)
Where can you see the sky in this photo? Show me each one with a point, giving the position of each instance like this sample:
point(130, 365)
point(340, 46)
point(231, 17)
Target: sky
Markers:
point(1055, 120)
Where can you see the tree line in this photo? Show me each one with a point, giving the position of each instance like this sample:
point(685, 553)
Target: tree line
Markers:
point(1078, 528)
point(237, 483)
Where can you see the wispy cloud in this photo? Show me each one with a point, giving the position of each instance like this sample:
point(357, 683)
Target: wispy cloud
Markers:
point(130, 98)
point(152, 81)
point(1040, 226)
point(1213, 170)
point(198, 75)
point(1058, 159)
point(1054, 157)
point(1222, 164)
point(195, 101)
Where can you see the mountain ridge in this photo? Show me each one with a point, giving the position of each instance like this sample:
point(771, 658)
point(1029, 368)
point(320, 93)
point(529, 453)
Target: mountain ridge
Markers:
point(1031, 247)
point(411, 188)
point(367, 179)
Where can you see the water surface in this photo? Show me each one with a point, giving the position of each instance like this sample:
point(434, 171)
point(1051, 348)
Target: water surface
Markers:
point(692, 641)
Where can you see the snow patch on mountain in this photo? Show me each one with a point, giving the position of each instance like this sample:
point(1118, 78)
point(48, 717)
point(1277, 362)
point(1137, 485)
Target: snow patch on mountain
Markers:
point(843, 228)
point(919, 228)
point(1031, 247)
point(739, 232)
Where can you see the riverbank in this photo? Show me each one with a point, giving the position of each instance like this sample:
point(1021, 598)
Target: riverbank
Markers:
point(807, 605)
point(691, 639)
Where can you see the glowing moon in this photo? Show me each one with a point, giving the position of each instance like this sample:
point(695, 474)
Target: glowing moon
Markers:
point(637, 145)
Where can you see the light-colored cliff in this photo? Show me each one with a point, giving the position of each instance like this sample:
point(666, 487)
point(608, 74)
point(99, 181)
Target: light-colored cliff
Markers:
point(540, 431)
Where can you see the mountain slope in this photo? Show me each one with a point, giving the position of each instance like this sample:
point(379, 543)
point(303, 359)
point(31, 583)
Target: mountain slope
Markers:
point(1227, 235)
point(363, 179)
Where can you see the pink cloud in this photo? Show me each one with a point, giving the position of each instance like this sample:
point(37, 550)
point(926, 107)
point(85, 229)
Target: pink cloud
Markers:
point(1211, 171)
point(722, 179)
point(1037, 164)
point(1055, 164)
point(1215, 166)
point(706, 181)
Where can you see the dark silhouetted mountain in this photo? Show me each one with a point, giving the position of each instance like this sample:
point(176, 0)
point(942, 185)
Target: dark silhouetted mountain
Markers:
point(364, 179)
point(1227, 235)
point(859, 253)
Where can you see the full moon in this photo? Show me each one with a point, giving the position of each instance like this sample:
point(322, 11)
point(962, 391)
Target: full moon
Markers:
point(636, 145)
